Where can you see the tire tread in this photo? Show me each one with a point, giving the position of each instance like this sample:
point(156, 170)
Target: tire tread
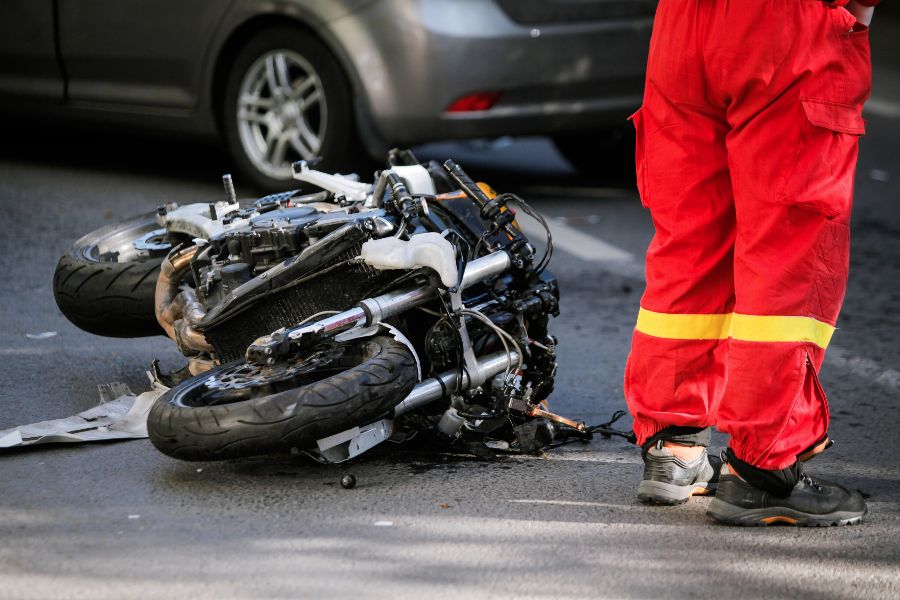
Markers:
point(354, 397)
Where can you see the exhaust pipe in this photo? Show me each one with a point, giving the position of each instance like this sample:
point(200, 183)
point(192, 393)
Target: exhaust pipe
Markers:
point(434, 388)
point(177, 309)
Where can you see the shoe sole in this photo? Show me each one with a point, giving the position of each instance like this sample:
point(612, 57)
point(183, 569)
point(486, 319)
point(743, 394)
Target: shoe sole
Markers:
point(658, 492)
point(730, 514)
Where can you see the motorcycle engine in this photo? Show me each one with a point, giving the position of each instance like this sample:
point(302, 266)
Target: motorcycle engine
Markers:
point(238, 256)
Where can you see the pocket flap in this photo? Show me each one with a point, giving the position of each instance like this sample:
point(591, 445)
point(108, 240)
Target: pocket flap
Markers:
point(846, 118)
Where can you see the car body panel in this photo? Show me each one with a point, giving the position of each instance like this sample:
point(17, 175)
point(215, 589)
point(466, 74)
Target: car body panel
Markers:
point(155, 64)
point(420, 55)
point(28, 65)
point(140, 52)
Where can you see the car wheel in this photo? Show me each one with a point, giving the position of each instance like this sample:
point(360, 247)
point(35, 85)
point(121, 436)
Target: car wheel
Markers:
point(606, 154)
point(286, 100)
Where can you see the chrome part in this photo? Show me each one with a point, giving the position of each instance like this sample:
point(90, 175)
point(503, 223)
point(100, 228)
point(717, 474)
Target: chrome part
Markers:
point(230, 195)
point(484, 267)
point(355, 317)
point(383, 227)
point(451, 423)
point(195, 219)
point(123, 243)
point(430, 389)
point(178, 311)
point(152, 241)
point(334, 183)
point(393, 303)
point(353, 442)
point(281, 112)
point(265, 349)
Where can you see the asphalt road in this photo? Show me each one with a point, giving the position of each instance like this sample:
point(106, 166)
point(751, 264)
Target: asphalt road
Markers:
point(121, 520)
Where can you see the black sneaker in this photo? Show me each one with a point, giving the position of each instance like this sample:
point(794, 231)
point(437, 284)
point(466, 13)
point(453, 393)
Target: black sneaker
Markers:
point(812, 503)
point(672, 480)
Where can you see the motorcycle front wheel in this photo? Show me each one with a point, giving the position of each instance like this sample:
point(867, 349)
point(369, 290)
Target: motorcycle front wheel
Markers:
point(240, 409)
point(105, 283)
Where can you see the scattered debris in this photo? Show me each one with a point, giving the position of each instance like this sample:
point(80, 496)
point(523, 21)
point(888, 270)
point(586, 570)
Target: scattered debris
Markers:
point(40, 336)
point(879, 175)
point(444, 505)
point(384, 523)
point(120, 415)
point(133, 517)
point(348, 482)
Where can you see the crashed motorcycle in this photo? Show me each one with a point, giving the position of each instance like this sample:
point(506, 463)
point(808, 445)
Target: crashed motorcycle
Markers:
point(328, 322)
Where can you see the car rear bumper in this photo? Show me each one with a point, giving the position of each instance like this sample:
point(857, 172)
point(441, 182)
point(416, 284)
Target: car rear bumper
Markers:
point(413, 58)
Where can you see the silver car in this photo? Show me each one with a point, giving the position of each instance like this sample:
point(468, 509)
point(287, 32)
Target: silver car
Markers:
point(281, 80)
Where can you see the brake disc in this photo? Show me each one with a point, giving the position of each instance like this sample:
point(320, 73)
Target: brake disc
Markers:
point(245, 380)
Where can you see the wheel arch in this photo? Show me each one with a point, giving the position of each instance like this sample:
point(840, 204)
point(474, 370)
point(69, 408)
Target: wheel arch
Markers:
point(250, 27)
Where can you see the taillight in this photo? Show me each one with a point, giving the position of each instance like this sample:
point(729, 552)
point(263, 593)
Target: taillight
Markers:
point(474, 102)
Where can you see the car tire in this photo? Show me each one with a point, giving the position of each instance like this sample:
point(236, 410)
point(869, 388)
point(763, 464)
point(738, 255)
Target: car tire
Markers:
point(604, 154)
point(256, 118)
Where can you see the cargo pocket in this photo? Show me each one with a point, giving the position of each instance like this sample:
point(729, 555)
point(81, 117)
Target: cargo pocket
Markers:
point(640, 159)
point(821, 178)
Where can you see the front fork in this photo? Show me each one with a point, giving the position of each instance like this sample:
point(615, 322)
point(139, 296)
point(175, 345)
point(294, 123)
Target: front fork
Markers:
point(269, 349)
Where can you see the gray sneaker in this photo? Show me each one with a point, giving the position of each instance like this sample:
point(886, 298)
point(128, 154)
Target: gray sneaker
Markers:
point(671, 480)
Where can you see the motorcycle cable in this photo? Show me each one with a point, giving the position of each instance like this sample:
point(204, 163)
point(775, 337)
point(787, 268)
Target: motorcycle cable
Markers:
point(570, 435)
point(507, 197)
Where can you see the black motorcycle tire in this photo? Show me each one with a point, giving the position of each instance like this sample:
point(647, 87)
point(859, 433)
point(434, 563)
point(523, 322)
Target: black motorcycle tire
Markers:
point(103, 295)
point(292, 419)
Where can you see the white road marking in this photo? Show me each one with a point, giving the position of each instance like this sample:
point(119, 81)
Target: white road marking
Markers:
point(575, 242)
point(575, 503)
point(882, 108)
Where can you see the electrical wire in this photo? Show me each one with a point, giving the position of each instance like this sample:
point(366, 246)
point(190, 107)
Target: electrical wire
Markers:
point(605, 430)
point(528, 210)
point(504, 337)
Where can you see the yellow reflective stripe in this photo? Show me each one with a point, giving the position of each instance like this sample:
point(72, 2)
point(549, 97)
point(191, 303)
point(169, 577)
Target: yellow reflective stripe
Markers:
point(754, 328)
point(684, 327)
point(749, 328)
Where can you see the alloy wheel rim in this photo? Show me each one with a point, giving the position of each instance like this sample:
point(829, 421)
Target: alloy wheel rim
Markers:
point(281, 112)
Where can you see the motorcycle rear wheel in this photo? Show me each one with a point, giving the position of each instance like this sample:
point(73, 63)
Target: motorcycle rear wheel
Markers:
point(105, 285)
point(240, 409)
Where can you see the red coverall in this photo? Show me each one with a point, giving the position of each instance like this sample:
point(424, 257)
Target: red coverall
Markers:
point(746, 151)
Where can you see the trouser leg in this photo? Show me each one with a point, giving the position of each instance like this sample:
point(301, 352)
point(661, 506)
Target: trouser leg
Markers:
point(792, 146)
point(675, 375)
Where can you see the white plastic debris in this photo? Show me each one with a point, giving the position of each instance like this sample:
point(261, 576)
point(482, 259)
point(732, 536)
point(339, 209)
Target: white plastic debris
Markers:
point(384, 523)
point(120, 415)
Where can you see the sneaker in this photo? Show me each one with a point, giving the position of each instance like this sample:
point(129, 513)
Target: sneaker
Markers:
point(812, 503)
point(672, 480)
